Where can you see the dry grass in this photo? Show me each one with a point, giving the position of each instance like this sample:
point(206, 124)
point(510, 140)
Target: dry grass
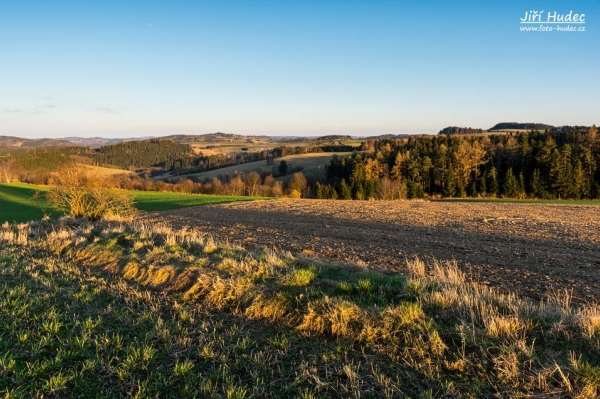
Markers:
point(436, 331)
point(98, 171)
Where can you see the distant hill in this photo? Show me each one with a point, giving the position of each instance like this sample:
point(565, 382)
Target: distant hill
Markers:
point(140, 154)
point(11, 141)
point(96, 142)
point(460, 130)
point(521, 126)
point(388, 137)
point(333, 137)
point(213, 137)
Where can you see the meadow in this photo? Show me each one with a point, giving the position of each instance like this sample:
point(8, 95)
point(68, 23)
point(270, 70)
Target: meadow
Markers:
point(21, 202)
point(310, 163)
point(135, 309)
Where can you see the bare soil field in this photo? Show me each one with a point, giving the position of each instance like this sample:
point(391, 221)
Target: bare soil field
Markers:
point(531, 249)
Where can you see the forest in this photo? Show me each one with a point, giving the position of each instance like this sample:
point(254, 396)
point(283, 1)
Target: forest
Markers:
point(460, 130)
point(558, 163)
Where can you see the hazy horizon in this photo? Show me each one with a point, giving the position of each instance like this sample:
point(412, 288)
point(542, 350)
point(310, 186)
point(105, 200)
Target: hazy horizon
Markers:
point(158, 135)
point(131, 69)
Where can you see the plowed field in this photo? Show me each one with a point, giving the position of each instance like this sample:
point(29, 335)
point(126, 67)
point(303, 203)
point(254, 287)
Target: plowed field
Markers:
point(531, 249)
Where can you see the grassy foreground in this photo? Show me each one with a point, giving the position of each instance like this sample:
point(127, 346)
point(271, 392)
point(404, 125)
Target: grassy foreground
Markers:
point(23, 202)
point(129, 309)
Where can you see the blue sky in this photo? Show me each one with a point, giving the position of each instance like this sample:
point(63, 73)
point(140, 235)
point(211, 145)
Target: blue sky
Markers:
point(136, 68)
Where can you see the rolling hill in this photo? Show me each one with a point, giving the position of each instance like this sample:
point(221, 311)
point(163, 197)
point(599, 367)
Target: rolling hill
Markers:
point(11, 141)
point(520, 126)
point(310, 163)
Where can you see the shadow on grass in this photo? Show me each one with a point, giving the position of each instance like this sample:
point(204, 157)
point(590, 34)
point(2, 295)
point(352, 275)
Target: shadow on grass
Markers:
point(21, 204)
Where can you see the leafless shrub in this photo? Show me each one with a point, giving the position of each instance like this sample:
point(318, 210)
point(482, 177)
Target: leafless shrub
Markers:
point(81, 195)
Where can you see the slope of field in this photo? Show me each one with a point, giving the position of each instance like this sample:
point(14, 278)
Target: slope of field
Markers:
point(24, 202)
point(529, 248)
point(10, 141)
point(99, 171)
point(111, 310)
point(310, 162)
point(158, 201)
point(256, 144)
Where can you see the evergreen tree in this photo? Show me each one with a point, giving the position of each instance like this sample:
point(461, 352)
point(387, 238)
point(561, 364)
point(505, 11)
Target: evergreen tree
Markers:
point(510, 188)
point(283, 168)
point(460, 189)
point(522, 189)
point(579, 187)
point(320, 191)
point(561, 172)
point(592, 133)
point(450, 183)
point(344, 191)
point(411, 189)
point(482, 186)
point(493, 186)
point(473, 189)
point(358, 192)
point(537, 185)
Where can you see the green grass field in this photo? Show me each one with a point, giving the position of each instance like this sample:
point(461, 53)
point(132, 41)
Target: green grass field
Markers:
point(23, 202)
point(149, 201)
point(523, 201)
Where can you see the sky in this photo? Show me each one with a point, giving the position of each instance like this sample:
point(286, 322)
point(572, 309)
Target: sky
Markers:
point(149, 68)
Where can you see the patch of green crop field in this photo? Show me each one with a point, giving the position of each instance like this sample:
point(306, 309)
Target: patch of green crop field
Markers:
point(23, 202)
point(158, 201)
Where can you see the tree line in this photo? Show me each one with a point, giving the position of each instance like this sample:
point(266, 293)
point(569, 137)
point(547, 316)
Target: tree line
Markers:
point(250, 184)
point(558, 163)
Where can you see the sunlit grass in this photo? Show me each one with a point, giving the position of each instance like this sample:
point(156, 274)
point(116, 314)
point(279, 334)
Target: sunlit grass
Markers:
point(24, 202)
point(112, 310)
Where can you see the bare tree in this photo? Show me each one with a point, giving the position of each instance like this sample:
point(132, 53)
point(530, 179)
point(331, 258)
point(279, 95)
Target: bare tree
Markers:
point(79, 194)
point(252, 181)
point(298, 184)
point(9, 170)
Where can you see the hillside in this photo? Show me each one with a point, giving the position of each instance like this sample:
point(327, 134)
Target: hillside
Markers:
point(309, 164)
point(502, 126)
point(95, 142)
point(209, 137)
point(460, 130)
point(521, 126)
point(11, 141)
point(141, 154)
